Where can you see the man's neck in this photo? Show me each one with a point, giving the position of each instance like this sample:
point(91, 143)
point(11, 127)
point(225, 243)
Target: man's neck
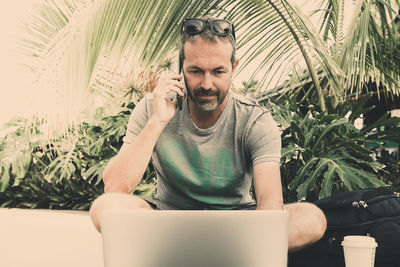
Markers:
point(206, 119)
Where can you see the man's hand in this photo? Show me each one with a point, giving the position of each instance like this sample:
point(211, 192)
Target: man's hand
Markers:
point(163, 108)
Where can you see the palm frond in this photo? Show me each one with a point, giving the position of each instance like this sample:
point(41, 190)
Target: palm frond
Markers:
point(278, 35)
point(126, 36)
point(76, 40)
point(370, 49)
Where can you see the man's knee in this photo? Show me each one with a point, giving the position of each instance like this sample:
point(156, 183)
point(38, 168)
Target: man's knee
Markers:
point(317, 218)
point(115, 201)
point(307, 223)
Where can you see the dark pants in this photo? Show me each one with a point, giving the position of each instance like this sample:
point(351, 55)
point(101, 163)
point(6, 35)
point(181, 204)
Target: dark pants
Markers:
point(160, 205)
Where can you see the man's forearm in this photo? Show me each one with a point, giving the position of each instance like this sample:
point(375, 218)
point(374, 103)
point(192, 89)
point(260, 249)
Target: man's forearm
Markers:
point(124, 172)
point(267, 185)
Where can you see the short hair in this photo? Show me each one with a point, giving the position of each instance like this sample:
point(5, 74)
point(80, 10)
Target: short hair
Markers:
point(209, 36)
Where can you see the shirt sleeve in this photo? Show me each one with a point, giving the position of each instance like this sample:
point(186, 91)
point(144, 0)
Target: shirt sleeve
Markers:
point(264, 140)
point(137, 120)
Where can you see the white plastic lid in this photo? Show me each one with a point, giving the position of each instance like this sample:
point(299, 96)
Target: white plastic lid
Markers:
point(360, 241)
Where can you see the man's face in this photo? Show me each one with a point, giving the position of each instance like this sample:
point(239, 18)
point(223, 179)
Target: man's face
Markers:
point(208, 70)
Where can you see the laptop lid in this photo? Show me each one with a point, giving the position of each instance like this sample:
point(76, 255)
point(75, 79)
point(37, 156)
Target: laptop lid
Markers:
point(176, 238)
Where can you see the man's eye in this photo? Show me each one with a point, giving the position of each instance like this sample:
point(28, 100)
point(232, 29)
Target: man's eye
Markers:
point(194, 71)
point(219, 72)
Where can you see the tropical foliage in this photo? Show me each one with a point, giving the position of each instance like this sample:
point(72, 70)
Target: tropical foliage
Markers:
point(114, 50)
point(366, 51)
point(65, 173)
point(324, 153)
point(82, 46)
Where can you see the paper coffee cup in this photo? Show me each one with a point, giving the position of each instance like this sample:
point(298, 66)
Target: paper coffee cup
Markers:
point(359, 251)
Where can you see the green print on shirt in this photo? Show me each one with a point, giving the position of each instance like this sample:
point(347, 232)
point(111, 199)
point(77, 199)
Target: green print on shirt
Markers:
point(205, 176)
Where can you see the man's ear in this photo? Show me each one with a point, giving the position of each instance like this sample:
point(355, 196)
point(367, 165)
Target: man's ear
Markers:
point(235, 65)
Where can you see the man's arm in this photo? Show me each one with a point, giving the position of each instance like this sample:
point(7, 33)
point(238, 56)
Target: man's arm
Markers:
point(124, 172)
point(268, 187)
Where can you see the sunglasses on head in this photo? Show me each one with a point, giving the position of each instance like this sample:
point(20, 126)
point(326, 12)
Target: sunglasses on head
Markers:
point(220, 27)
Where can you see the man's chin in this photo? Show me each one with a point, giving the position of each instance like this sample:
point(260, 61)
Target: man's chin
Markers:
point(207, 106)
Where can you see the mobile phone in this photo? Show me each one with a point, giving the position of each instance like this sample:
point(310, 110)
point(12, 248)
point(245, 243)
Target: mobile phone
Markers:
point(172, 95)
point(180, 72)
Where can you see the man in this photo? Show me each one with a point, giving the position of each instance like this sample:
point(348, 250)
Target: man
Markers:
point(211, 153)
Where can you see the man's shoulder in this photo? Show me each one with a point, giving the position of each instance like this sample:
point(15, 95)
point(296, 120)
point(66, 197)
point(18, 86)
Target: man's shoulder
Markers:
point(241, 99)
point(245, 103)
point(146, 103)
point(250, 110)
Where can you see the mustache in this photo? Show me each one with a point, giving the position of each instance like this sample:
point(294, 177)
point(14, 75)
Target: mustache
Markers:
point(203, 92)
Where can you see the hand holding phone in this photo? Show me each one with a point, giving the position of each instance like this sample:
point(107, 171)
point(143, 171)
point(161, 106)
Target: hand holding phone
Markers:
point(165, 95)
point(173, 95)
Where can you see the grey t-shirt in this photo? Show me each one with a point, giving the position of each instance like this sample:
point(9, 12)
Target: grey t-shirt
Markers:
point(213, 167)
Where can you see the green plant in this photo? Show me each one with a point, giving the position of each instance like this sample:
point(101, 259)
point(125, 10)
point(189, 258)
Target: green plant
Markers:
point(391, 174)
point(323, 153)
point(89, 44)
point(19, 136)
point(66, 172)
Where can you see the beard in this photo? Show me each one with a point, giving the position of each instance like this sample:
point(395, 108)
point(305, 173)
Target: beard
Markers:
point(206, 104)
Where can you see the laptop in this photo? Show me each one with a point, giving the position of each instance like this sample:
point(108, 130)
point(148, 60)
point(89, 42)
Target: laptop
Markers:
point(209, 238)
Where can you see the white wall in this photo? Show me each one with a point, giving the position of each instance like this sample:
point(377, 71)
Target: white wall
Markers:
point(41, 238)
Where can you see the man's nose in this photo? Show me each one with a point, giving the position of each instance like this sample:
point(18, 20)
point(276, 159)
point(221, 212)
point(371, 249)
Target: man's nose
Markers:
point(206, 82)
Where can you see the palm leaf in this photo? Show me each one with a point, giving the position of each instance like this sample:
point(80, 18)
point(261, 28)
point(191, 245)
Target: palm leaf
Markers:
point(369, 48)
point(275, 33)
point(126, 36)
